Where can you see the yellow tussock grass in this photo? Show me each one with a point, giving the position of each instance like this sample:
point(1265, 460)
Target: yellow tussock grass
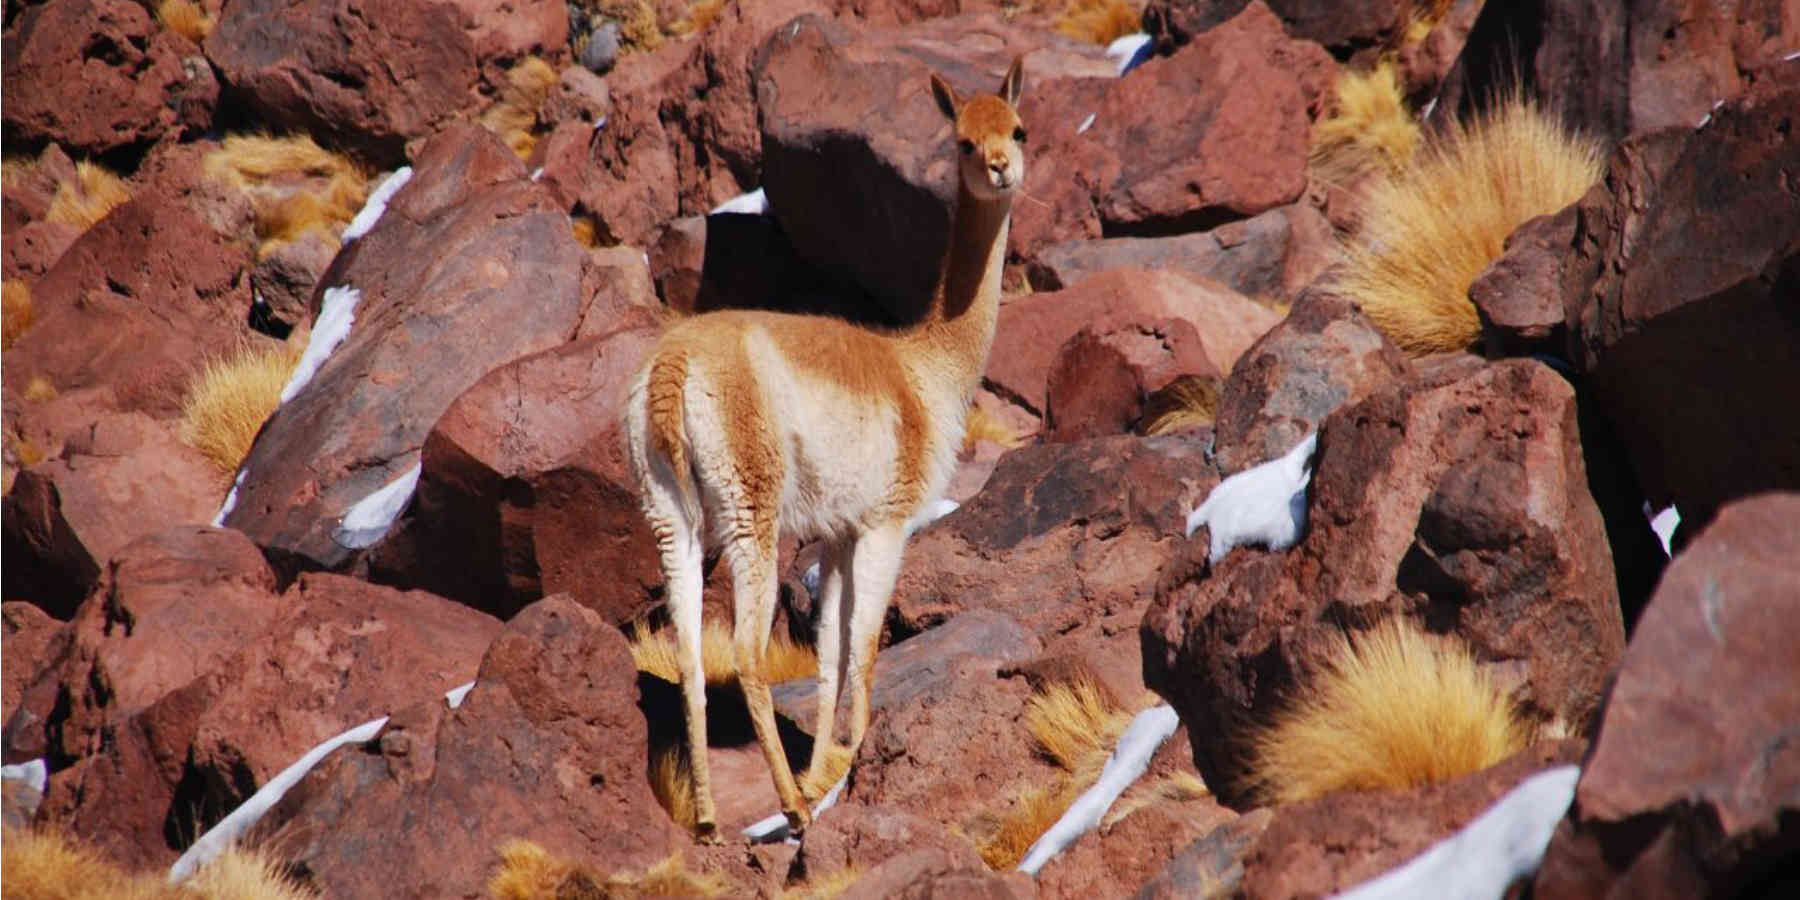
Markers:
point(87, 199)
point(814, 784)
point(700, 14)
point(15, 311)
point(783, 660)
point(1394, 708)
point(1076, 725)
point(529, 872)
point(1189, 401)
point(1429, 229)
point(1367, 128)
point(822, 887)
point(1177, 787)
point(672, 782)
point(43, 864)
point(228, 401)
point(186, 18)
point(1099, 21)
point(39, 389)
point(295, 186)
point(1422, 18)
point(25, 450)
point(982, 425)
point(585, 230)
point(514, 113)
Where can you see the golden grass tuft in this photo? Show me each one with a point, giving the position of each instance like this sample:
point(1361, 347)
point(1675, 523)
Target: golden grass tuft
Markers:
point(529, 872)
point(783, 660)
point(700, 15)
point(87, 199)
point(228, 401)
point(1433, 226)
point(514, 113)
point(1395, 708)
point(982, 425)
point(585, 229)
point(1003, 838)
point(295, 186)
point(1177, 787)
point(1190, 401)
point(16, 311)
point(186, 18)
point(1368, 127)
point(672, 782)
point(38, 389)
point(822, 887)
point(42, 864)
point(1099, 21)
point(1424, 16)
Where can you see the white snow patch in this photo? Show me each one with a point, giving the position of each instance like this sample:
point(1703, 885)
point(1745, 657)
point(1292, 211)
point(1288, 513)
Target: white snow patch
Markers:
point(1709, 113)
point(755, 203)
point(1086, 124)
point(218, 521)
point(1140, 741)
point(537, 173)
point(932, 512)
point(1429, 106)
point(1263, 504)
point(337, 312)
point(1791, 56)
point(34, 774)
point(1482, 860)
point(369, 519)
point(601, 123)
point(1129, 52)
point(377, 204)
point(1664, 524)
point(775, 827)
point(454, 697)
point(233, 826)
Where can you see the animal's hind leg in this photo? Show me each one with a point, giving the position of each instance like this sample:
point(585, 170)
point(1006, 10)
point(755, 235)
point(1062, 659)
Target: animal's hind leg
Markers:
point(678, 541)
point(833, 623)
point(753, 576)
point(874, 564)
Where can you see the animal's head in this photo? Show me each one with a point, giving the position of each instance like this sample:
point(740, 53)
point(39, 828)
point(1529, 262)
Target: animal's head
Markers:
point(990, 139)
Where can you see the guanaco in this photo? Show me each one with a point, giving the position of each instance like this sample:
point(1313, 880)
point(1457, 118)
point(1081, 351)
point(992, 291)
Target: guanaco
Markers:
point(755, 421)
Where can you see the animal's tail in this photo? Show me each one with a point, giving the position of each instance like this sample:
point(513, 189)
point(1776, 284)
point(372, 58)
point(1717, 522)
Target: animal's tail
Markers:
point(666, 412)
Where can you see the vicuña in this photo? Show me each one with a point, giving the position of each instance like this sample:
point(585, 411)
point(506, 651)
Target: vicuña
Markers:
point(752, 422)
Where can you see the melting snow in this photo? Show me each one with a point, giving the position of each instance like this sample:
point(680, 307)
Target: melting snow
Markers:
point(1085, 124)
point(537, 173)
point(1140, 741)
point(1264, 504)
point(369, 519)
point(1664, 524)
point(241, 819)
point(454, 697)
point(1482, 860)
point(1129, 52)
point(775, 827)
point(377, 204)
point(35, 774)
point(230, 503)
point(755, 203)
point(337, 311)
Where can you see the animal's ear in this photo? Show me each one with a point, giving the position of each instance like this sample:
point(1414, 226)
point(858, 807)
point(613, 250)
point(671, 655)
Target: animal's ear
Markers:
point(946, 96)
point(1014, 84)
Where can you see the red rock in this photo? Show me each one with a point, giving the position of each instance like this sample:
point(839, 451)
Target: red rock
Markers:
point(140, 329)
point(1320, 847)
point(863, 837)
point(1324, 355)
point(122, 477)
point(286, 278)
point(342, 652)
point(1519, 295)
point(1344, 27)
point(471, 267)
point(623, 175)
point(32, 248)
point(1681, 352)
point(1457, 496)
point(1033, 329)
point(27, 195)
point(932, 873)
point(1103, 375)
point(98, 75)
point(525, 490)
point(1693, 784)
point(549, 746)
point(31, 639)
point(856, 156)
point(1211, 866)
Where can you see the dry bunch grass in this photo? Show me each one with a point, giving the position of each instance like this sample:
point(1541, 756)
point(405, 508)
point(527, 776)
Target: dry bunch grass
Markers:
point(186, 18)
point(672, 782)
point(1395, 708)
point(1423, 17)
point(783, 660)
point(16, 312)
point(47, 865)
point(585, 229)
point(39, 389)
point(823, 887)
point(982, 425)
point(231, 397)
point(529, 872)
point(1177, 787)
point(1368, 127)
point(1099, 21)
point(93, 193)
point(1076, 725)
point(1433, 226)
point(700, 15)
point(514, 113)
point(295, 186)
point(1190, 401)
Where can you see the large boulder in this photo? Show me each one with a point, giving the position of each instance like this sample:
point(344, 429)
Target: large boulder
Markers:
point(1343, 26)
point(549, 746)
point(1693, 785)
point(1457, 497)
point(31, 639)
point(1685, 320)
point(472, 266)
point(373, 78)
point(99, 75)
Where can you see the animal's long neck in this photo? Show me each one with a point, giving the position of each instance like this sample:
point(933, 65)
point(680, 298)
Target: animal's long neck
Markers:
point(959, 329)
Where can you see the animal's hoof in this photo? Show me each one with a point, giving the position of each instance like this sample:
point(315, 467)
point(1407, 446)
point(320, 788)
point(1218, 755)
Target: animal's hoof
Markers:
point(708, 833)
point(797, 822)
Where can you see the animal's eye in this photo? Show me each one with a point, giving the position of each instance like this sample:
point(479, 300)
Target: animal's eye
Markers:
point(1019, 134)
point(968, 147)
